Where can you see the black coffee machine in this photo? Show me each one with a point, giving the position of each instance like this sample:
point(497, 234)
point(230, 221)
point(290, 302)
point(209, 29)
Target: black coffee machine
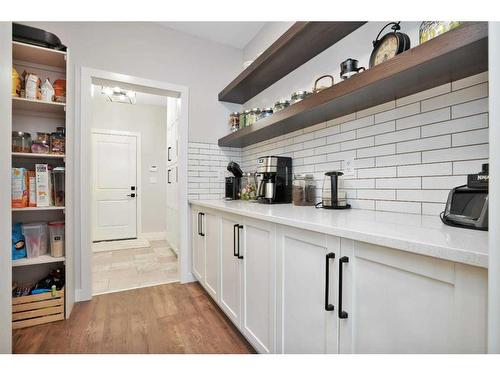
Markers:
point(233, 183)
point(274, 174)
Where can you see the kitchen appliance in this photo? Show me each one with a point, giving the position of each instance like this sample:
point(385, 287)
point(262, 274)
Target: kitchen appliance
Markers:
point(333, 196)
point(233, 183)
point(349, 67)
point(274, 179)
point(390, 45)
point(38, 37)
point(467, 205)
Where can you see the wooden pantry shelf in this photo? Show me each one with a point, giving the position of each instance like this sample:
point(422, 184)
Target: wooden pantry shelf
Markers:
point(38, 55)
point(29, 155)
point(30, 105)
point(456, 54)
point(50, 208)
point(42, 259)
point(296, 46)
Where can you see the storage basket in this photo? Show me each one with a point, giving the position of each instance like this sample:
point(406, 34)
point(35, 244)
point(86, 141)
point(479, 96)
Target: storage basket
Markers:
point(37, 309)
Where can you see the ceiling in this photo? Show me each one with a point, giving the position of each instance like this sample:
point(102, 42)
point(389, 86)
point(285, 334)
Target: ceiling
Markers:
point(235, 34)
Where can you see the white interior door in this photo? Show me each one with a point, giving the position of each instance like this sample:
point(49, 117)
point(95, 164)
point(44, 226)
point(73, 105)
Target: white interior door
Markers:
point(114, 186)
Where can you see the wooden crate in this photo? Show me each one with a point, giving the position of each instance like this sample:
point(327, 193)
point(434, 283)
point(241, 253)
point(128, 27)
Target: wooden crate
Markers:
point(37, 309)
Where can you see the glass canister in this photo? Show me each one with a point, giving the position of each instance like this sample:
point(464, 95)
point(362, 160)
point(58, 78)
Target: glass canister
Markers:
point(253, 116)
point(59, 188)
point(304, 190)
point(431, 29)
point(265, 113)
point(281, 104)
point(243, 118)
point(248, 187)
point(21, 142)
point(234, 121)
point(58, 141)
point(297, 96)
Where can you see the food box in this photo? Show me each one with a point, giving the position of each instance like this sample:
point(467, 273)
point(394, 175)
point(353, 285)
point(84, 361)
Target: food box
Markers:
point(42, 185)
point(19, 186)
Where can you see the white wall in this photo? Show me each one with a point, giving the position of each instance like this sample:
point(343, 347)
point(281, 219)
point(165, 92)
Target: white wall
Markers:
point(5, 170)
point(151, 122)
point(264, 38)
point(494, 197)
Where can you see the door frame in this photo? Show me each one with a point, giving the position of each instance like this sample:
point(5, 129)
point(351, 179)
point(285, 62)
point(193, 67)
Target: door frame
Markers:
point(138, 177)
point(83, 122)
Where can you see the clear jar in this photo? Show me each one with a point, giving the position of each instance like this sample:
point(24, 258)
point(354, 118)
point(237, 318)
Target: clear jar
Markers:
point(248, 187)
point(21, 142)
point(243, 119)
point(234, 121)
point(265, 113)
point(253, 116)
point(304, 190)
point(281, 104)
point(297, 96)
point(58, 142)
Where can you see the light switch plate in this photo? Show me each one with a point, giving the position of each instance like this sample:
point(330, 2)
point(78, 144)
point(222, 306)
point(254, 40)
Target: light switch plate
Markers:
point(349, 167)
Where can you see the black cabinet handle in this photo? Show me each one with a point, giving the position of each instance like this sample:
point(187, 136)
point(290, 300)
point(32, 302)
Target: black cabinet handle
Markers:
point(199, 216)
point(168, 153)
point(168, 176)
point(235, 228)
point(239, 227)
point(328, 306)
point(342, 314)
point(202, 232)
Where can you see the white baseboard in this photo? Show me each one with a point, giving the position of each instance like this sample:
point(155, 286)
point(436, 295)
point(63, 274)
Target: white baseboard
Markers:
point(154, 236)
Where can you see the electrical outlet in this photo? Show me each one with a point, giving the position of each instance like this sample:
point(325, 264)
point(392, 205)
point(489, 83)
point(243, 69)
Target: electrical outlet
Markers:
point(349, 167)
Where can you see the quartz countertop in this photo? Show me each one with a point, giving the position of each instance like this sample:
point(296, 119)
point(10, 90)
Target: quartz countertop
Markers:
point(420, 234)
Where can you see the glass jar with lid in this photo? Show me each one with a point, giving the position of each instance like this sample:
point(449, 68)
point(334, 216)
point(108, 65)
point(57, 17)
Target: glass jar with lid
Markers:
point(58, 141)
point(234, 121)
point(297, 96)
point(281, 104)
point(304, 190)
point(248, 187)
point(243, 118)
point(253, 116)
point(21, 142)
point(265, 112)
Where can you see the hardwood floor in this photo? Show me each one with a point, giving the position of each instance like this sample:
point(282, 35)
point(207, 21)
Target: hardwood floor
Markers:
point(171, 318)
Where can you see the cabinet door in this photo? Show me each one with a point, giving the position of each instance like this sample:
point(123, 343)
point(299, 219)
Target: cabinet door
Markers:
point(398, 302)
point(212, 233)
point(259, 262)
point(230, 291)
point(198, 239)
point(306, 324)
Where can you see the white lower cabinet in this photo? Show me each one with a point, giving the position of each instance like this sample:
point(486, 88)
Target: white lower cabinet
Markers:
point(307, 321)
point(290, 290)
point(399, 302)
point(259, 299)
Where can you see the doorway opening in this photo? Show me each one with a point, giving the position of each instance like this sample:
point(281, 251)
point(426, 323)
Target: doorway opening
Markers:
point(134, 177)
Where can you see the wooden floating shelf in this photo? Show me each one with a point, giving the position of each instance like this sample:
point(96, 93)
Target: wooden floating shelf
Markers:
point(38, 55)
point(29, 155)
point(454, 55)
point(50, 208)
point(42, 259)
point(296, 46)
point(30, 105)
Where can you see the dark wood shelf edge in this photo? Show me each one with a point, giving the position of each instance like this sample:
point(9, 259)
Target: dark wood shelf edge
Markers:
point(300, 43)
point(455, 55)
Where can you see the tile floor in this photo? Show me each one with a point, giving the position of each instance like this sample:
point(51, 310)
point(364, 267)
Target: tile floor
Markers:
point(118, 270)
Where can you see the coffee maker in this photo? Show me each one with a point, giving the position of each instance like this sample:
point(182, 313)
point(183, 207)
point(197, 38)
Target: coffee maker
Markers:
point(274, 174)
point(233, 183)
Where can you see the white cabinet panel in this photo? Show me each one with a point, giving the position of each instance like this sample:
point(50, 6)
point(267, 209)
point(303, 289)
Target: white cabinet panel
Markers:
point(230, 292)
point(211, 229)
point(198, 240)
point(259, 284)
point(400, 302)
point(305, 325)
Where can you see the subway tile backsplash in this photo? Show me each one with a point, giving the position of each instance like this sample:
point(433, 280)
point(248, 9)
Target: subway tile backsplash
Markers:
point(407, 153)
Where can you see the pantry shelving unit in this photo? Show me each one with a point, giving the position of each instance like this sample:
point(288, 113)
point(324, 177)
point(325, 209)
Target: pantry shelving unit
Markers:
point(456, 54)
point(34, 116)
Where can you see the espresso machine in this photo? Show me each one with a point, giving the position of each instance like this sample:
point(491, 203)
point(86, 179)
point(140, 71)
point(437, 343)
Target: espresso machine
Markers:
point(274, 176)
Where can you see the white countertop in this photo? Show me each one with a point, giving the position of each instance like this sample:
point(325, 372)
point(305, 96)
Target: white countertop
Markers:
point(420, 234)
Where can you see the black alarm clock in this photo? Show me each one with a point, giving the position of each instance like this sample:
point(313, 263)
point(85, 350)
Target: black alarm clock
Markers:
point(390, 45)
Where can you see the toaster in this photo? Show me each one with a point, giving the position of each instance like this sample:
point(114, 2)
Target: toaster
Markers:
point(467, 205)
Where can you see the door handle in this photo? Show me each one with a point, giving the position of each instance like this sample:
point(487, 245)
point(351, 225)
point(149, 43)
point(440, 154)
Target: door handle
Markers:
point(199, 215)
point(168, 176)
point(168, 153)
point(239, 227)
point(235, 227)
point(131, 195)
point(328, 306)
point(342, 314)
point(202, 233)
